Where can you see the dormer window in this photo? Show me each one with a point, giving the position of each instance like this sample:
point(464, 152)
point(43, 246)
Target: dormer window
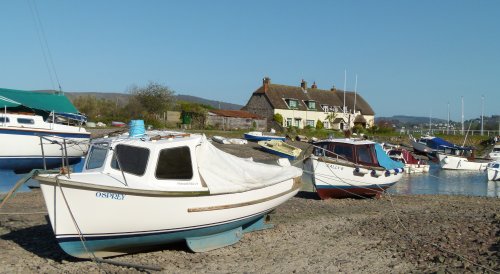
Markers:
point(292, 103)
point(310, 104)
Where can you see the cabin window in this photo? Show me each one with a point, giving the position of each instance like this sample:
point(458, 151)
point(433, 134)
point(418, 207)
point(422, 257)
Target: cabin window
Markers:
point(321, 150)
point(132, 159)
point(97, 155)
point(365, 153)
point(174, 163)
point(4, 119)
point(25, 121)
point(344, 150)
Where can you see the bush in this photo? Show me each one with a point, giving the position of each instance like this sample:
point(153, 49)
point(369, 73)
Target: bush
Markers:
point(319, 125)
point(278, 118)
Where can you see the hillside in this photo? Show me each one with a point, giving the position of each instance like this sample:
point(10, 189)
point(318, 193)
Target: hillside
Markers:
point(122, 98)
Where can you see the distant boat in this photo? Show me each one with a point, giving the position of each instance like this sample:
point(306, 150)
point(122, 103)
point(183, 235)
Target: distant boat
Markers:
point(351, 168)
point(493, 170)
point(228, 141)
point(280, 148)
point(495, 153)
point(117, 124)
point(259, 136)
point(460, 158)
point(412, 164)
point(136, 193)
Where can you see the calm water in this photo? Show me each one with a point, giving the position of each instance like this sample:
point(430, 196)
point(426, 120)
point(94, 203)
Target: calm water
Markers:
point(437, 181)
point(449, 182)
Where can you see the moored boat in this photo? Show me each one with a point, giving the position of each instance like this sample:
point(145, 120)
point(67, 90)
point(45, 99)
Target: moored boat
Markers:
point(493, 170)
point(37, 128)
point(280, 148)
point(341, 168)
point(460, 158)
point(411, 164)
point(495, 153)
point(137, 193)
point(259, 136)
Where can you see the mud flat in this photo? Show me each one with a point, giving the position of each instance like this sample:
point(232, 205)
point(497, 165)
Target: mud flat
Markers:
point(395, 234)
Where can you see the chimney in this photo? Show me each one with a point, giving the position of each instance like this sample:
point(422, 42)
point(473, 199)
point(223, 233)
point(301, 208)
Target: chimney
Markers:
point(314, 85)
point(333, 88)
point(303, 84)
point(265, 83)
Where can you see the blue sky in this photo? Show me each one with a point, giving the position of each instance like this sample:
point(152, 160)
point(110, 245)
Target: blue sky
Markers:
point(411, 57)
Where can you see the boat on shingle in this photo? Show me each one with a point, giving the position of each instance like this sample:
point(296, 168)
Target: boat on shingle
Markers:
point(280, 148)
point(139, 193)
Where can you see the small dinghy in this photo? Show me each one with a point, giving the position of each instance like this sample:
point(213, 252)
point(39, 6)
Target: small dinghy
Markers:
point(143, 192)
point(259, 136)
point(493, 170)
point(280, 148)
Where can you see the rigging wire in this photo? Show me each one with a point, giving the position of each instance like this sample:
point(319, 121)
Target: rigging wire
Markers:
point(44, 45)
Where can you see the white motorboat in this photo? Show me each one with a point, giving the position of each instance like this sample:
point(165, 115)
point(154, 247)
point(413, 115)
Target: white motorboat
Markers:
point(29, 142)
point(352, 168)
point(460, 158)
point(495, 153)
point(138, 193)
point(493, 170)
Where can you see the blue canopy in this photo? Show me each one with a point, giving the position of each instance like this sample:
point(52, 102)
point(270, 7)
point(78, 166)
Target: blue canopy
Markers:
point(384, 160)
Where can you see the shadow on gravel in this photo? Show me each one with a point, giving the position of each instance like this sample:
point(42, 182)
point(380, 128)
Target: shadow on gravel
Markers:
point(40, 241)
point(307, 195)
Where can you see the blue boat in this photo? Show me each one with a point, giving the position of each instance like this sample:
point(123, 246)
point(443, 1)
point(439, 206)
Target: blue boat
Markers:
point(259, 136)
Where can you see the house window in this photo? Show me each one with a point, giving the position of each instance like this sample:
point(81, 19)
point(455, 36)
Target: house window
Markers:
point(311, 104)
point(132, 159)
point(310, 123)
point(325, 108)
point(326, 124)
point(25, 121)
point(174, 163)
point(288, 122)
point(292, 103)
point(296, 122)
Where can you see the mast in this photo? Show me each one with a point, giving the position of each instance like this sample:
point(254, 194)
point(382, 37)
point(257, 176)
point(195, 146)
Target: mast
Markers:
point(482, 113)
point(462, 115)
point(448, 126)
point(430, 122)
point(343, 109)
point(355, 94)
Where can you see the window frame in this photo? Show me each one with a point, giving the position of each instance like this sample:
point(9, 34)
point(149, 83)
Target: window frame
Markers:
point(115, 152)
point(190, 162)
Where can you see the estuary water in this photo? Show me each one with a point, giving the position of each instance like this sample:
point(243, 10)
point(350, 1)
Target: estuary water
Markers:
point(448, 182)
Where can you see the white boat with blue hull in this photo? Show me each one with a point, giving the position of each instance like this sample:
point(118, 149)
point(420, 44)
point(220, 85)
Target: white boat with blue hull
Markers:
point(137, 193)
point(22, 137)
point(260, 136)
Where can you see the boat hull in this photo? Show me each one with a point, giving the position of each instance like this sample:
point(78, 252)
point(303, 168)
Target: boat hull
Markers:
point(459, 163)
point(21, 150)
point(279, 150)
point(493, 174)
point(114, 223)
point(333, 180)
point(251, 137)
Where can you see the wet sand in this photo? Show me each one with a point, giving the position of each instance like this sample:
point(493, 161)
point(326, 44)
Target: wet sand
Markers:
point(395, 234)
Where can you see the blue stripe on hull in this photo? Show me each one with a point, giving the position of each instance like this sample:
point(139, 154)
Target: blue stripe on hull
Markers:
point(123, 244)
point(11, 131)
point(26, 164)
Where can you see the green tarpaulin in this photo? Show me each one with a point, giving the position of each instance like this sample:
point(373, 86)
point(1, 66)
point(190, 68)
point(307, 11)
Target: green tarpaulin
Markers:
point(36, 100)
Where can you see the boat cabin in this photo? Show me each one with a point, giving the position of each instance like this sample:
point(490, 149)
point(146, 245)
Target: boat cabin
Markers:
point(465, 152)
point(358, 152)
point(165, 163)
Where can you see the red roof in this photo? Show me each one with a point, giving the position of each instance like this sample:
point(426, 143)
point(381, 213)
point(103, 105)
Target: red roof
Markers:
point(235, 113)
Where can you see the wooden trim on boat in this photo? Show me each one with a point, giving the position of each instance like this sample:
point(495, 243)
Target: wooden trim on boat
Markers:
point(296, 185)
point(131, 191)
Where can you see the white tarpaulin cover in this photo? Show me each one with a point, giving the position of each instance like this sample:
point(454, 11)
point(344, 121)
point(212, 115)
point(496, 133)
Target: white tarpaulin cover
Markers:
point(226, 173)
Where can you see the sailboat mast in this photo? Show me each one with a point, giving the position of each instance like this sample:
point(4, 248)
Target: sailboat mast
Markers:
point(355, 94)
point(430, 122)
point(462, 115)
point(448, 126)
point(482, 114)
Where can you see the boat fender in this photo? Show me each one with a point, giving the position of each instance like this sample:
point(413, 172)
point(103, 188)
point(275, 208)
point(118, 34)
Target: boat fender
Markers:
point(373, 173)
point(396, 170)
point(387, 173)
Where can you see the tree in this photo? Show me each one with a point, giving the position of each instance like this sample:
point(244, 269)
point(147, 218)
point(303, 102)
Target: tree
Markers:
point(319, 125)
point(155, 98)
